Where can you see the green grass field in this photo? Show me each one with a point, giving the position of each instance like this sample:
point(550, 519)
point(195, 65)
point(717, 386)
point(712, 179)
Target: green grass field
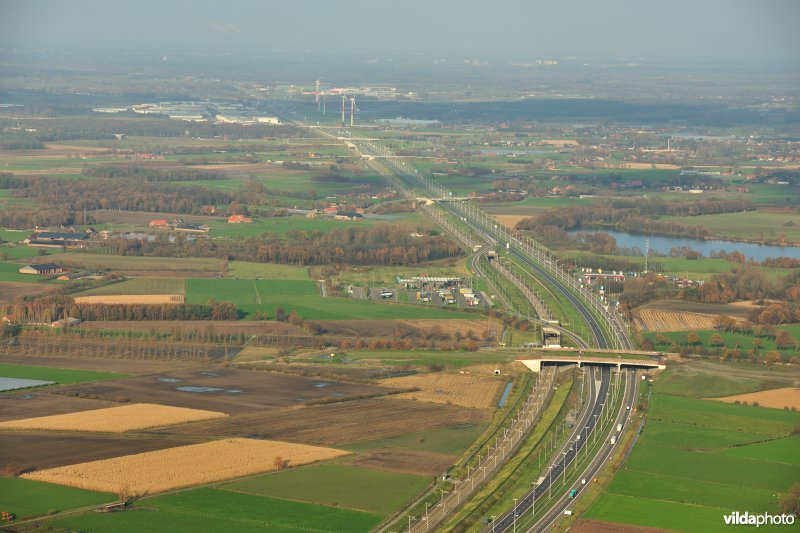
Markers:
point(246, 270)
point(731, 340)
point(750, 225)
point(336, 485)
point(27, 498)
point(280, 226)
point(209, 510)
point(682, 381)
point(135, 264)
point(63, 376)
point(302, 296)
point(698, 460)
point(140, 286)
point(10, 272)
point(447, 441)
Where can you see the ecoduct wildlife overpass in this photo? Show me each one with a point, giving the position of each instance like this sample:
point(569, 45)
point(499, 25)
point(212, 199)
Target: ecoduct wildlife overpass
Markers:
point(534, 362)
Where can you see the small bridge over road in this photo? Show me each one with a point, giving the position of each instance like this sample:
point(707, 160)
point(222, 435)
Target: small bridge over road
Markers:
point(534, 362)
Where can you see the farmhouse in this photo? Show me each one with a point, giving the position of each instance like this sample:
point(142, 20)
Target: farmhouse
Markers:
point(45, 269)
point(51, 239)
point(239, 219)
point(159, 223)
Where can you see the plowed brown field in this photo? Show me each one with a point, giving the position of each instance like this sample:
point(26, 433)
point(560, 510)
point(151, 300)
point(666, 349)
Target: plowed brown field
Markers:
point(657, 320)
point(408, 461)
point(458, 389)
point(775, 398)
point(338, 423)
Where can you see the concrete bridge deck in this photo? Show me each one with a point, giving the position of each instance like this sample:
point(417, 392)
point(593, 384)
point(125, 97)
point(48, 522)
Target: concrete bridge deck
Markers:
point(534, 362)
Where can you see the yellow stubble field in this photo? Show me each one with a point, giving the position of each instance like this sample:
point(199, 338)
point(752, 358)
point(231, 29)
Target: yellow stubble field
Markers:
point(466, 390)
point(115, 419)
point(184, 466)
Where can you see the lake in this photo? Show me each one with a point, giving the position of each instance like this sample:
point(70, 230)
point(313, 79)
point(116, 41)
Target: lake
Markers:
point(663, 245)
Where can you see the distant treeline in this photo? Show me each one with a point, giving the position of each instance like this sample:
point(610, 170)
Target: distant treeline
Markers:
point(379, 245)
point(138, 173)
point(19, 143)
point(47, 309)
point(745, 282)
point(63, 201)
point(630, 215)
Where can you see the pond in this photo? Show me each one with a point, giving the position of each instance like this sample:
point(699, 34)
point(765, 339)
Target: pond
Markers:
point(663, 245)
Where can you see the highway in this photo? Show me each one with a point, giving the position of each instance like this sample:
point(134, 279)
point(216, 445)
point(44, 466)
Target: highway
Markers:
point(613, 335)
point(520, 516)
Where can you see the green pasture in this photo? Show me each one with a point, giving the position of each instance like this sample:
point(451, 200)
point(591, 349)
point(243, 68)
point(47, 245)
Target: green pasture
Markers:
point(27, 498)
point(63, 376)
point(209, 510)
point(342, 486)
point(140, 286)
point(10, 272)
point(385, 276)
point(13, 235)
point(753, 225)
point(693, 492)
point(677, 381)
point(131, 263)
point(731, 340)
point(280, 226)
point(662, 514)
point(697, 460)
point(302, 296)
point(247, 270)
point(21, 251)
point(785, 450)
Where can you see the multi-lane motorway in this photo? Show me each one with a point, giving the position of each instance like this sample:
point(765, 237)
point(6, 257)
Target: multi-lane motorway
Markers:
point(605, 328)
point(588, 430)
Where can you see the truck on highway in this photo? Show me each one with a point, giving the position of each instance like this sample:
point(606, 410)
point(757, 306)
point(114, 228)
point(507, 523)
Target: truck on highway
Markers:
point(619, 427)
point(613, 439)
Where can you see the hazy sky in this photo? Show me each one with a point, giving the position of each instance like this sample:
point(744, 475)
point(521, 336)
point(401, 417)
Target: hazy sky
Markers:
point(683, 30)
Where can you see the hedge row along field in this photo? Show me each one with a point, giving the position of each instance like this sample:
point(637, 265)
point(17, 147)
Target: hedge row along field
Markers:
point(184, 466)
point(115, 419)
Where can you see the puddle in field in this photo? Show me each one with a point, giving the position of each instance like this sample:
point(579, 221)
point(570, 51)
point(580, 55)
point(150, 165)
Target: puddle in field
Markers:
point(320, 385)
point(209, 374)
point(338, 394)
point(198, 389)
point(209, 390)
point(169, 380)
